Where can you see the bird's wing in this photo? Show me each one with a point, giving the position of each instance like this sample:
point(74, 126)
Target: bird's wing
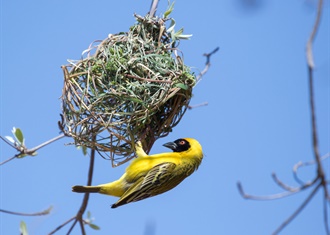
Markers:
point(148, 186)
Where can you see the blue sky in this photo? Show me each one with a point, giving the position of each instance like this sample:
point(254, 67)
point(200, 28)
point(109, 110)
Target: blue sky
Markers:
point(257, 120)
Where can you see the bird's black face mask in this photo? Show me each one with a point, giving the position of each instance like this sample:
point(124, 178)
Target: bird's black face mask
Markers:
point(179, 145)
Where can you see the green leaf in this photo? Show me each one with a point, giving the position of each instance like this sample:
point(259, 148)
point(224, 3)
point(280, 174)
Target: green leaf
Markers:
point(18, 135)
point(169, 10)
point(182, 86)
point(23, 228)
point(93, 226)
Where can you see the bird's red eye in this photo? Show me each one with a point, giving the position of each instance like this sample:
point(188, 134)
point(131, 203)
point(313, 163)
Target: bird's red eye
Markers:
point(182, 142)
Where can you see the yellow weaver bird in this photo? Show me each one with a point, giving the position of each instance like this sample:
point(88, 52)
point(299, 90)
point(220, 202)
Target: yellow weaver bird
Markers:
point(148, 176)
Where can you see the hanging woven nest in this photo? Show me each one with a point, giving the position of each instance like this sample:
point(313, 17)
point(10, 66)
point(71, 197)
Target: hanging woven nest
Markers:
point(131, 86)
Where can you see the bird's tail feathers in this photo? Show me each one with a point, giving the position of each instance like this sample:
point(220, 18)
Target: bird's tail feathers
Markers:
point(86, 189)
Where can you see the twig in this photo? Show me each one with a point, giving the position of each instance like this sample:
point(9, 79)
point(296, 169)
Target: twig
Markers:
point(207, 64)
point(62, 225)
point(83, 206)
point(8, 160)
point(309, 50)
point(325, 215)
point(28, 151)
point(273, 196)
point(303, 164)
point(197, 105)
point(79, 216)
point(310, 62)
point(282, 184)
point(299, 209)
point(45, 212)
point(31, 151)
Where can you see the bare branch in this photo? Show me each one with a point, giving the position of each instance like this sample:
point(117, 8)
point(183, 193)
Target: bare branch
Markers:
point(197, 105)
point(62, 225)
point(45, 212)
point(79, 216)
point(31, 151)
point(266, 197)
point(207, 64)
point(73, 225)
point(310, 62)
point(82, 227)
point(299, 209)
point(309, 50)
point(282, 184)
point(325, 215)
point(81, 211)
point(8, 160)
point(303, 164)
point(290, 190)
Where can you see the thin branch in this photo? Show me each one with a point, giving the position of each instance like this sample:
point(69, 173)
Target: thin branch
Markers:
point(197, 105)
point(45, 212)
point(310, 62)
point(270, 197)
point(325, 215)
point(62, 225)
point(303, 164)
point(82, 227)
point(84, 204)
point(79, 216)
point(309, 50)
point(31, 151)
point(282, 184)
point(73, 225)
point(299, 209)
point(8, 160)
point(290, 191)
point(207, 64)
point(314, 129)
point(28, 151)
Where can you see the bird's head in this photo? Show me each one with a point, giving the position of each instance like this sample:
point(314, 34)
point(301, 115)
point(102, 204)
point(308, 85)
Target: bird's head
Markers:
point(185, 145)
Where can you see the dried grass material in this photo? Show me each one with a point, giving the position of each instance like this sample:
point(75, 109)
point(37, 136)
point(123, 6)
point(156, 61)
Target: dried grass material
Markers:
point(131, 88)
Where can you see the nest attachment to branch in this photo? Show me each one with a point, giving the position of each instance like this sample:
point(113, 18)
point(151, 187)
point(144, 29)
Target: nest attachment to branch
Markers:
point(129, 87)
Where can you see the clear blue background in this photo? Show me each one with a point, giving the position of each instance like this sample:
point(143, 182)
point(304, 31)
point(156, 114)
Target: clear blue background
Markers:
point(257, 120)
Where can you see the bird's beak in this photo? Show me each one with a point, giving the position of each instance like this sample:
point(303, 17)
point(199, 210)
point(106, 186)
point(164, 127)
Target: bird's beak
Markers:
point(170, 145)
